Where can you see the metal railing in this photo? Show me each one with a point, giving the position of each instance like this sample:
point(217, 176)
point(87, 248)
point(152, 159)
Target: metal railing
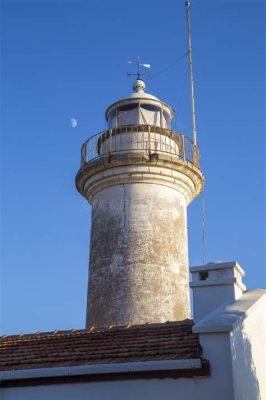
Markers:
point(149, 139)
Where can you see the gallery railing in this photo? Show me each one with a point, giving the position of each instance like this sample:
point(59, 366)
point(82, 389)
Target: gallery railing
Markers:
point(152, 140)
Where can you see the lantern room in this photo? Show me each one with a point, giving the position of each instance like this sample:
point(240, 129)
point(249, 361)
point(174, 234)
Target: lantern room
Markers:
point(139, 108)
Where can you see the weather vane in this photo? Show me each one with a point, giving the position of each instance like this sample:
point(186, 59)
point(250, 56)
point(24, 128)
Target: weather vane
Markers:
point(138, 64)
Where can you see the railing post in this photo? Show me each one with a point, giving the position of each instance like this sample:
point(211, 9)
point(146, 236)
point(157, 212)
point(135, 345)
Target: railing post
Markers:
point(101, 148)
point(82, 156)
point(183, 145)
point(149, 139)
point(195, 156)
point(110, 141)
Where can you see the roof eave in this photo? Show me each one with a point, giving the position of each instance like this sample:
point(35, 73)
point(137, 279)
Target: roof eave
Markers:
point(115, 371)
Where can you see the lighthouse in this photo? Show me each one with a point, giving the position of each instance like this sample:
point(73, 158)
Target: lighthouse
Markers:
point(139, 177)
point(140, 342)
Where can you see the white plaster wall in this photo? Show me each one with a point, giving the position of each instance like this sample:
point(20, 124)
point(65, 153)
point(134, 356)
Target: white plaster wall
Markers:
point(151, 389)
point(222, 284)
point(207, 298)
point(248, 347)
point(216, 349)
point(218, 386)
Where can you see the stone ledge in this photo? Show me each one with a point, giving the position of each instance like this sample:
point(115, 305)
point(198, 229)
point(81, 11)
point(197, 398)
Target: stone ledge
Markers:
point(218, 282)
point(218, 265)
point(136, 160)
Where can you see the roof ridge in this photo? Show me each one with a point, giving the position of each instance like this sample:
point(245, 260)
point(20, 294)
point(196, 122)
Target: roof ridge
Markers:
point(56, 332)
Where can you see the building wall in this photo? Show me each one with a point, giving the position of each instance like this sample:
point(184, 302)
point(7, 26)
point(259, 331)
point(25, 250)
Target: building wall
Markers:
point(139, 256)
point(151, 389)
point(237, 372)
point(248, 347)
point(216, 349)
point(218, 386)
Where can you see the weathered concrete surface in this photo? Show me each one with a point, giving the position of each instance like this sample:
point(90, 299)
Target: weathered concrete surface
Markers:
point(138, 260)
point(139, 256)
point(92, 176)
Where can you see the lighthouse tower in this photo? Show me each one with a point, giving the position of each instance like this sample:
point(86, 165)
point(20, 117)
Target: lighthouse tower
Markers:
point(139, 177)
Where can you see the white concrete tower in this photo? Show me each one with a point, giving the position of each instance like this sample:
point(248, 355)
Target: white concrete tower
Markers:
point(139, 177)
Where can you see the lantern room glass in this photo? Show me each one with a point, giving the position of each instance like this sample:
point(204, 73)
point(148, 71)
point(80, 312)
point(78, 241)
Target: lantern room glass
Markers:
point(138, 113)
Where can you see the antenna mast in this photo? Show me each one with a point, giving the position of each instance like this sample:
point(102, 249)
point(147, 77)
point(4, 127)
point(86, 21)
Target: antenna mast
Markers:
point(187, 4)
point(203, 231)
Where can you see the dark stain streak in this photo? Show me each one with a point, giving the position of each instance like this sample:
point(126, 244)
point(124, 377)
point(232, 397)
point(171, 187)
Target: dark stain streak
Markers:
point(124, 205)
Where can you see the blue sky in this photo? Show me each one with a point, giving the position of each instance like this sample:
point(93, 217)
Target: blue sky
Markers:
point(63, 59)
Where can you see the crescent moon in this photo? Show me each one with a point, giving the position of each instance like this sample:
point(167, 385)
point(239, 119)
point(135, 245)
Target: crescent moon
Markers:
point(73, 122)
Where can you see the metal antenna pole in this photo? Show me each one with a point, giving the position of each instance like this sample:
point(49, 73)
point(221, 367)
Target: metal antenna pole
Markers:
point(203, 231)
point(138, 67)
point(187, 4)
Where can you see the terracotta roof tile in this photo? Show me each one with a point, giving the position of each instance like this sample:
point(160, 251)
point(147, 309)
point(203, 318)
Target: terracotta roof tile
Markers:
point(149, 342)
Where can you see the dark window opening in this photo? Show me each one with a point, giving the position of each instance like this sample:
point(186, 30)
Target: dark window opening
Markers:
point(150, 107)
point(203, 275)
point(128, 107)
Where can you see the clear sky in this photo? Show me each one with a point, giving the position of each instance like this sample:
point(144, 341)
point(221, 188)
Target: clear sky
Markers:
point(63, 59)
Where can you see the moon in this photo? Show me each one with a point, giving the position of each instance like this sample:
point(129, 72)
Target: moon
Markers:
point(73, 122)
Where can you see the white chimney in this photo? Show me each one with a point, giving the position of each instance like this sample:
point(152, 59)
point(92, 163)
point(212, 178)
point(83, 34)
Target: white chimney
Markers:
point(215, 284)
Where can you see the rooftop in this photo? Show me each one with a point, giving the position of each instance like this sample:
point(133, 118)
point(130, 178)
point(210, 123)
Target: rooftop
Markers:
point(126, 344)
point(170, 340)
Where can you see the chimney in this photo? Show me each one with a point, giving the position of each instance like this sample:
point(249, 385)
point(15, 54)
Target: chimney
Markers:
point(215, 284)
